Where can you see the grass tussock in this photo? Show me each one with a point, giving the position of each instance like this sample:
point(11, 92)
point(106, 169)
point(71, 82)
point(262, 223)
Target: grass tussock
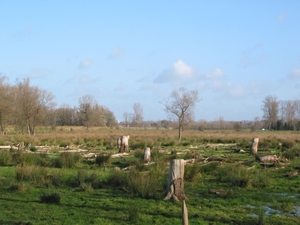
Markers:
point(50, 198)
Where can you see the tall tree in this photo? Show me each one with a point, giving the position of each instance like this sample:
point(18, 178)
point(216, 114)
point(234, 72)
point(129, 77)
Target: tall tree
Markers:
point(5, 102)
point(65, 115)
point(270, 109)
point(181, 105)
point(31, 103)
point(86, 104)
point(138, 114)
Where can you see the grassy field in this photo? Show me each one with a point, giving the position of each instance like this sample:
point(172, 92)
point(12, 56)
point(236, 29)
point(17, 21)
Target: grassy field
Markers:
point(223, 186)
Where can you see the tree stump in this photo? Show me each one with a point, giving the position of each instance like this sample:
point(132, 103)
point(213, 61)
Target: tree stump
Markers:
point(176, 186)
point(21, 146)
point(254, 145)
point(147, 155)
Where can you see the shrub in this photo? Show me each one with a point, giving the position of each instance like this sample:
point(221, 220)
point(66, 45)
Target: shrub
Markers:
point(185, 143)
point(145, 184)
point(52, 198)
point(33, 148)
point(5, 158)
point(288, 144)
point(31, 174)
point(261, 179)
point(139, 154)
point(103, 159)
point(117, 179)
point(19, 186)
point(67, 160)
point(236, 174)
point(169, 144)
point(209, 168)
point(191, 172)
point(138, 145)
point(291, 153)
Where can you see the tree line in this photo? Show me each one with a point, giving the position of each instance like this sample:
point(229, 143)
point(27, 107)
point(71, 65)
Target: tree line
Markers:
point(281, 114)
point(25, 106)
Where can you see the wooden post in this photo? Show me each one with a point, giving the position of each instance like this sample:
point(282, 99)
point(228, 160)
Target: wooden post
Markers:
point(185, 218)
point(147, 155)
point(176, 186)
point(254, 145)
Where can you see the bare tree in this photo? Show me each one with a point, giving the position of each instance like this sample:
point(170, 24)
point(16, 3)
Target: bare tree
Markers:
point(270, 108)
point(138, 114)
point(31, 103)
point(5, 102)
point(180, 105)
point(126, 117)
point(86, 103)
point(65, 115)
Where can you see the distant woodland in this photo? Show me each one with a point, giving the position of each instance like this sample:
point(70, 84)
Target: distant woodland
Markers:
point(23, 107)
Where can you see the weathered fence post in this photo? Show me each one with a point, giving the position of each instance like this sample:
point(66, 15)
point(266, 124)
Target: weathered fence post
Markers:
point(254, 145)
point(176, 186)
point(147, 155)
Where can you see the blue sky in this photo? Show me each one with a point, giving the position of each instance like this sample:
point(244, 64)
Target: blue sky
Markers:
point(235, 53)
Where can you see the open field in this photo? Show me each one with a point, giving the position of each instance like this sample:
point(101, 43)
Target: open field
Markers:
point(58, 179)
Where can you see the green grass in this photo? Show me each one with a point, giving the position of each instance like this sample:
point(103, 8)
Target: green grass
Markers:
point(96, 192)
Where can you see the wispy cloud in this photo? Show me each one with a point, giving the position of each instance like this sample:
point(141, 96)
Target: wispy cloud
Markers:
point(179, 72)
point(217, 73)
point(295, 73)
point(236, 91)
point(38, 73)
point(116, 53)
point(281, 18)
point(253, 56)
point(84, 64)
point(121, 87)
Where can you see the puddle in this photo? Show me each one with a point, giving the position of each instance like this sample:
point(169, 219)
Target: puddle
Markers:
point(270, 211)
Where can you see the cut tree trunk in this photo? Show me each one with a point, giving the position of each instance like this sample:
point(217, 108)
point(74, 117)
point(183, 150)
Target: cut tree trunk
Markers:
point(176, 177)
point(254, 145)
point(147, 155)
point(176, 188)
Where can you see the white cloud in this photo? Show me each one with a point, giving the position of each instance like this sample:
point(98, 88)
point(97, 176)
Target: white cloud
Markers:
point(217, 73)
point(237, 91)
point(116, 53)
point(182, 70)
point(179, 72)
point(295, 73)
point(217, 84)
point(85, 64)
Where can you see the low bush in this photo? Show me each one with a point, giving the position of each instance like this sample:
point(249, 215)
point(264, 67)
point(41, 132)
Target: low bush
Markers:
point(34, 174)
point(192, 172)
point(50, 198)
point(67, 160)
point(261, 179)
point(236, 174)
point(149, 184)
point(5, 158)
point(288, 144)
point(291, 154)
point(208, 168)
point(103, 159)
